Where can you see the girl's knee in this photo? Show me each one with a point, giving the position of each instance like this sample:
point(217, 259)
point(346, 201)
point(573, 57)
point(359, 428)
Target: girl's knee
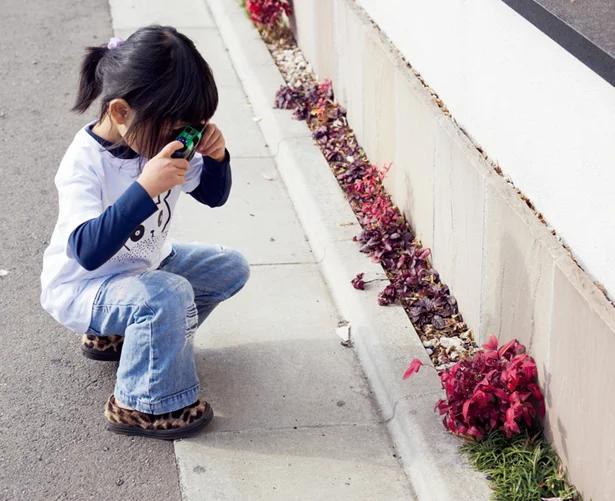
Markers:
point(169, 293)
point(239, 267)
point(182, 293)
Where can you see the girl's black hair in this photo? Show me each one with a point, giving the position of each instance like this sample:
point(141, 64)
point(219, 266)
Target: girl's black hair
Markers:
point(161, 76)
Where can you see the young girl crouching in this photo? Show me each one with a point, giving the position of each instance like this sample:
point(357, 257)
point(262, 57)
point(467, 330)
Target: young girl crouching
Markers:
point(109, 272)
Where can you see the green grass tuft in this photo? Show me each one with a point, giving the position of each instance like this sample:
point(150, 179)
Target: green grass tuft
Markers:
point(521, 468)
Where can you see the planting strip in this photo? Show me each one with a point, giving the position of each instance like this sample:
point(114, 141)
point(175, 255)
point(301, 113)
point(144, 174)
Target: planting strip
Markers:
point(384, 338)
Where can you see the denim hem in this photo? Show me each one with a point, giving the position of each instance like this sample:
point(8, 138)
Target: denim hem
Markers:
point(160, 406)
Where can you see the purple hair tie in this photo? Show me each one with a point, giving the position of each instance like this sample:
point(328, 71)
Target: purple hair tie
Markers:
point(115, 42)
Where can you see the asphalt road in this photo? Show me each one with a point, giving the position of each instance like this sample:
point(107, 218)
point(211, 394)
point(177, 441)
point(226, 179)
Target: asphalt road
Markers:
point(53, 441)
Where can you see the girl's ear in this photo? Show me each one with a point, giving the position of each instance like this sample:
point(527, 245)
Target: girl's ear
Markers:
point(120, 111)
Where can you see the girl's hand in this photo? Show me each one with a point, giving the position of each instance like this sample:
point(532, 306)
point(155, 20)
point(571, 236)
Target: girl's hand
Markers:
point(162, 172)
point(213, 144)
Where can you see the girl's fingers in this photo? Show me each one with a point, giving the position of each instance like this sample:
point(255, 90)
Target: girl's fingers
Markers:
point(215, 143)
point(212, 144)
point(170, 148)
point(215, 139)
point(214, 147)
point(208, 136)
point(180, 163)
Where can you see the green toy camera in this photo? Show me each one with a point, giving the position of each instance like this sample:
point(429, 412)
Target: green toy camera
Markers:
point(190, 136)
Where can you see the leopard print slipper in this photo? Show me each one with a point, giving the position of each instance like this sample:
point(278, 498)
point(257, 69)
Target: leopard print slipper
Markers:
point(170, 426)
point(106, 348)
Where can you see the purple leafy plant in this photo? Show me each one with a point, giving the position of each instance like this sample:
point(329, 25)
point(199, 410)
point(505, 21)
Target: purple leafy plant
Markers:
point(386, 236)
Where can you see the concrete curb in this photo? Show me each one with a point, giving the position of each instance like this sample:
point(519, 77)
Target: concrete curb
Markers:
point(384, 338)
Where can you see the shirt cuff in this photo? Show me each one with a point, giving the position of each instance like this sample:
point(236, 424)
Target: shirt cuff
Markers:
point(136, 204)
point(214, 167)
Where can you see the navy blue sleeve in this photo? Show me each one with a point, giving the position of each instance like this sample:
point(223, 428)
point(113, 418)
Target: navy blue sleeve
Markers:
point(96, 241)
point(216, 181)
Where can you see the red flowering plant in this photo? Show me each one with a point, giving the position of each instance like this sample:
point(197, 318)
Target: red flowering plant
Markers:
point(495, 390)
point(268, 14)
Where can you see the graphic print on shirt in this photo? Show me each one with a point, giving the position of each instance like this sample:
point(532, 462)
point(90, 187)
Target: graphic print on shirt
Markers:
point(149, 236)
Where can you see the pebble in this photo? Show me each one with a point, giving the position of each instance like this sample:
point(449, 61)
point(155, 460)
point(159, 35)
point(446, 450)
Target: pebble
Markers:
point(450, 342)
point(295, 69)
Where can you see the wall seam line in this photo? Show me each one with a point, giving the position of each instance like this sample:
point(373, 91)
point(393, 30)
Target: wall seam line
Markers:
point(547, 387)
point(483, 273)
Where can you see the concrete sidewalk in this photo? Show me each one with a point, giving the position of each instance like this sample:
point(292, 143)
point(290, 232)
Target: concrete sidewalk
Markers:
point(295, 419)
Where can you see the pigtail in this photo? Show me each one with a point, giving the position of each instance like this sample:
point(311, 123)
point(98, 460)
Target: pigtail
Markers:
point(90, 84)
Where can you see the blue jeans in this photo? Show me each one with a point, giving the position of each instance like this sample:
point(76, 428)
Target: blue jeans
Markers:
point(158, 312)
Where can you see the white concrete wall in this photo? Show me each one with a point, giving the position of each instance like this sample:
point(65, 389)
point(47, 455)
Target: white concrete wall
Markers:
point(511, 276)
point(543, 115)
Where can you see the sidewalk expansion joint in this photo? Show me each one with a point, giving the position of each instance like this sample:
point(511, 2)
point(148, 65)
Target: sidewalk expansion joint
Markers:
point(298, 428)
point(297, 263)
point(390, 418)
point(277, 146)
